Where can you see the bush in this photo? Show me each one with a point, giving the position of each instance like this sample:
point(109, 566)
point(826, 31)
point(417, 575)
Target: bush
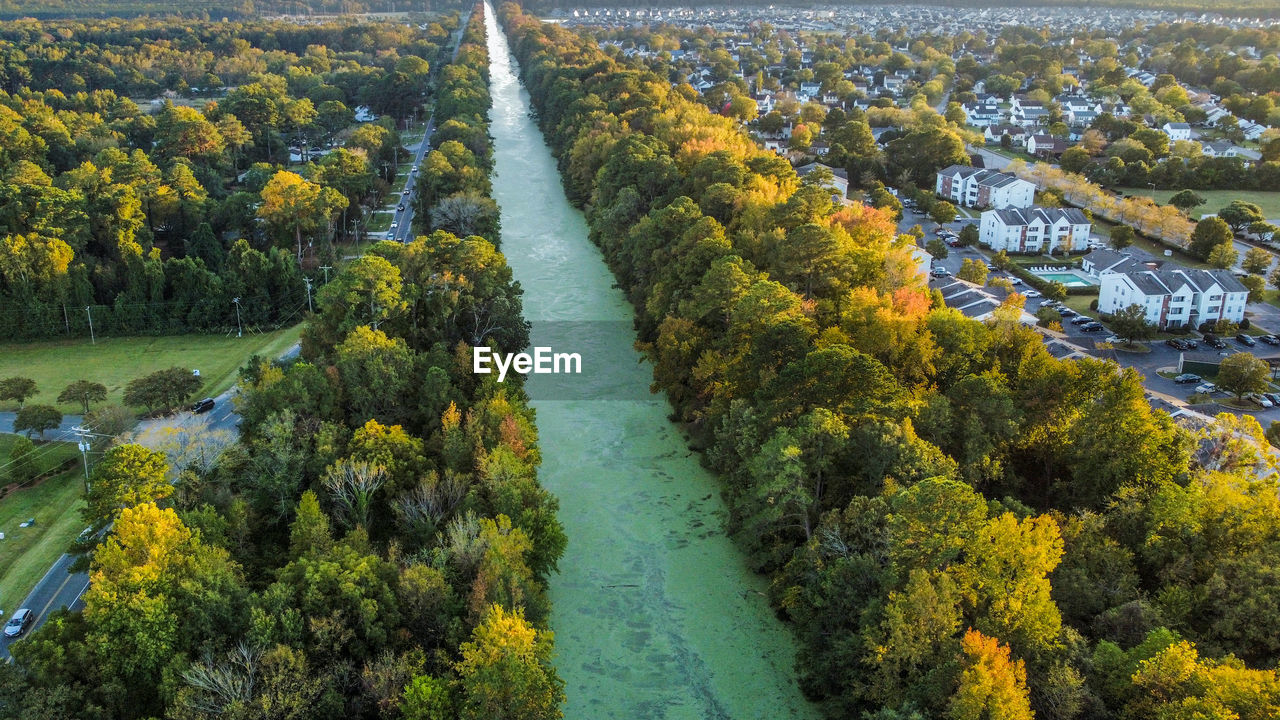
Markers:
point(22, 461)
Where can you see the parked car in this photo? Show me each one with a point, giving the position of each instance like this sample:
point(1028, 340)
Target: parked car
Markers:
point(1270, 339)
point(1092, 327)
point(1215, 342)
point(1186, 378)
point(1068, 312)
point(940, 272)
point(18, 623)
point(1273, 397)
point(953, 242)
point(1246, 340)
point(1207, 388)
point(203, 406)
point(1015, 281)
point(1191, 344)
point(1260, 399)
point(1031, 293)
point(400, 207)
point(1081, 320)
point(1176, 344)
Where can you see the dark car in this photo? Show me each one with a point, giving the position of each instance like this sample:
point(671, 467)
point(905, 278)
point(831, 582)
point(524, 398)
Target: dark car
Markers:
point(1092, 327)
point(1191, 344)
point(1270, 339)
point(1273, 397)
point(18, 623)
point(1214, 342)
point(1176, 344)
point(204, 405)
point(1187, 378)
point(1246, 340)
point(1081, 320)
point(1068, 312)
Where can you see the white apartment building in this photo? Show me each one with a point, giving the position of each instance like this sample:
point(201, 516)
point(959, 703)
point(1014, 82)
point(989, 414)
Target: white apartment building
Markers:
point(980, 188)
point(1175, 298)
point(1034, 229)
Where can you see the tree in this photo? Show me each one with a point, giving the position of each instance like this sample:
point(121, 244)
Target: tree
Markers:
point(1240, 214)
point(162, 389)
point(968, 235)
point(1055, 290)
point(83, 392)
point(974, 271)
point(1209, 233)
point(17, 389)
point(37, 419)
point(22, 462)
point(1130, 323)
point(992, 685)
point(1256, 261)
point(1186, 200)
point(127, 475)
point(943, 212)
point(1275, 277)
point(1223, 256)
point(467, 213)
point(1122, 236)
point(1243, 373)
point(1257, 287)
point(937, 248)
point(506, 673)
point(426, 698)
point(1001, 260)
point(292, 206)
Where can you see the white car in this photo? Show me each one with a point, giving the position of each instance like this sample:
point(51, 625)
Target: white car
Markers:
point(415, 169)
point(395, 225)
point(1015, 281)
point(1207, 388)
point(1258, 398)
point(1031, 293)
point(940, 272)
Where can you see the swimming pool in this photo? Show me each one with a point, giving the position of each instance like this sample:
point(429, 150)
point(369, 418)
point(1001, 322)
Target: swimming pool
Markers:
point(1068, 278)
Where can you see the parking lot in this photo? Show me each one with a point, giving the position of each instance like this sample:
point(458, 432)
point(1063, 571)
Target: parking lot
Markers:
point(1160, 357)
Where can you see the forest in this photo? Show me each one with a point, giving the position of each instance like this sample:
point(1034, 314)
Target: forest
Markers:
point(217, 10)
point(146, 168)
point(956, 523)
point(375, 546)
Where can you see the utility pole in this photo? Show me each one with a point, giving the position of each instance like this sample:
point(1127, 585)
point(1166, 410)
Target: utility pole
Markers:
point(82, 435)
point(92, 340)
point(307, 280)
point(326, 269)
point(239, 330)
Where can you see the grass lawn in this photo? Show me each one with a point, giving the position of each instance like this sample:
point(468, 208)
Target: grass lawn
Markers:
point(27, 553)
point(1103, 228)
point(379, 222)
point(1268, 200)
point(115, 361)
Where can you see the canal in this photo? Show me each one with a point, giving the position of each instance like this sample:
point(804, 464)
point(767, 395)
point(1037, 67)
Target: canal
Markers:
point(655, 612)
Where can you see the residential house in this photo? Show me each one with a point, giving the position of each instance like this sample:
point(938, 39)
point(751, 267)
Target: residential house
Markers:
point(982, 115)
point(1175, 298)
point(1105, 260)
point(1045, 146)
point(980, 188)
point(1177, 131)
point(838, 184)
point(1034, 229)
point(1017, 134)
point(1220, 148)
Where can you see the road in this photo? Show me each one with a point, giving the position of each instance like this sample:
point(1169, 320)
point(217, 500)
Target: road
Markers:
point(992, 160)
point(62, 433)
point(402, 221)
point(59, 588)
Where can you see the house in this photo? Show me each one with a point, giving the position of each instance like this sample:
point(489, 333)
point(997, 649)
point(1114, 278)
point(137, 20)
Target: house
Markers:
point(981, 115)
point(1104, 261)
point(1015, 133)
point(838, 184)
point(1220, 148)
point(1034, 229)
point(1045, 146)
point(1177, 131)
point(893, 83)
point(977, 187)
point(1175, 298)
point(364, 114)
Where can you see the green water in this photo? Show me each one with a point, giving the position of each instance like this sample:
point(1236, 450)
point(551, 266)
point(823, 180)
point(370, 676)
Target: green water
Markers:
point(655, 613)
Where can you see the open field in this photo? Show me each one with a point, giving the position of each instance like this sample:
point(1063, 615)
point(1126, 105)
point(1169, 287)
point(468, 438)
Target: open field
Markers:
point(27, 553)
point(1269, 201)
point(115, 361)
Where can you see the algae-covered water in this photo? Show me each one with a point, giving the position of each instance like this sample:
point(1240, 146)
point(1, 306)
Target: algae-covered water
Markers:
point(655, 612)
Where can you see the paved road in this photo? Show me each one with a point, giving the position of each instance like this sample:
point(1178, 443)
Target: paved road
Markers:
point(59, 588)
point(403, 219)
point(62, 433)
point(992, 160)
